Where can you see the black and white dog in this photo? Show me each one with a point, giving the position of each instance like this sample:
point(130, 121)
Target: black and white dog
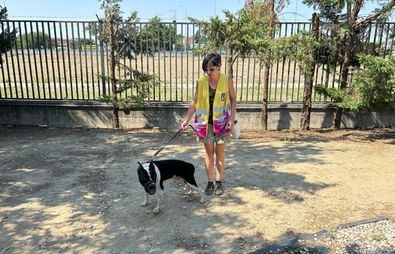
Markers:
point(153, 173)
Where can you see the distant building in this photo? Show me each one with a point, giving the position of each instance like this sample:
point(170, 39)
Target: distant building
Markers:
point(61, 43)
point(189, 41)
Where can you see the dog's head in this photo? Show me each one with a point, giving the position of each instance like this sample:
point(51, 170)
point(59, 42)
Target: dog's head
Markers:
point(147, 177)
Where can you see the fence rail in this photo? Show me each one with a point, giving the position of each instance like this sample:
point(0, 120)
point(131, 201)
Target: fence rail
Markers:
point(59, 60)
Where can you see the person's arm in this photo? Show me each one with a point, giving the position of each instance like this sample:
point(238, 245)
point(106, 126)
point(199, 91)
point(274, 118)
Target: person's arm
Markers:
point(232, 98)
point(191, 110)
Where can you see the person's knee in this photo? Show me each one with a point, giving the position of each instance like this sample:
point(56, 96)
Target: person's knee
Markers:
point(210, 156)
point(219, 163)
point(209, 150)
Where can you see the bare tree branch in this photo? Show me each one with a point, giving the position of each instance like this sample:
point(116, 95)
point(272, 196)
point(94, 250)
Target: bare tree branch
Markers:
point(121, 50)
point(364, 23)
point(234, 59)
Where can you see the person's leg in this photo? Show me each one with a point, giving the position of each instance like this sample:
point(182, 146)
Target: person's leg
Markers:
point(220, 165)
point(209, 163)
point(209, 160)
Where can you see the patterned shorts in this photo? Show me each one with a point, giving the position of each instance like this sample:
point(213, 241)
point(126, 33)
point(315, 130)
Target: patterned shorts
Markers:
point(211, 137)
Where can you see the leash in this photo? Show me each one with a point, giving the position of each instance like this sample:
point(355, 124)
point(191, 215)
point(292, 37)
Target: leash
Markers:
point(163, 146)
point(177, 133)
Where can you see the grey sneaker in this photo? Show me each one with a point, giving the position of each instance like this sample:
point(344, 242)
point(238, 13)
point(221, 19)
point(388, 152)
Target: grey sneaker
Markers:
point(209, 189)
point(219, 190)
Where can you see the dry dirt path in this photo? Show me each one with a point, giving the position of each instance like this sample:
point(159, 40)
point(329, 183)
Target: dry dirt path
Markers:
point(76, 191)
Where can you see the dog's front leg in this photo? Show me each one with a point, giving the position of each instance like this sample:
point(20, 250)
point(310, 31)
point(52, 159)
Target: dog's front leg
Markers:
point(160, 198)
point(145, 202)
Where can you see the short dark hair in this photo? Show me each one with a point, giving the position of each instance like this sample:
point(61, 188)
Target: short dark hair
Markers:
point(214, 58)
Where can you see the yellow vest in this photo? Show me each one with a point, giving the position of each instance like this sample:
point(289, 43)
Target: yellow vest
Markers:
point(221, 107)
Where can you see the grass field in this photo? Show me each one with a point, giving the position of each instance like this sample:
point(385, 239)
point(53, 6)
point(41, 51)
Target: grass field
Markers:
point(75, 75)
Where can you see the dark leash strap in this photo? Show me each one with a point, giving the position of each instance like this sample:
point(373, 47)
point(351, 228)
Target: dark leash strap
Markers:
point(176, 134)
point(160, 149)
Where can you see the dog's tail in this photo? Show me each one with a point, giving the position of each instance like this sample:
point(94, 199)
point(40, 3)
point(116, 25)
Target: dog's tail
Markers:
point(191, 181)
point(190, 178)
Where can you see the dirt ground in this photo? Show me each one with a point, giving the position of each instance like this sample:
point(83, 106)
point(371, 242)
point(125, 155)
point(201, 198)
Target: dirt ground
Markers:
point(76, 190)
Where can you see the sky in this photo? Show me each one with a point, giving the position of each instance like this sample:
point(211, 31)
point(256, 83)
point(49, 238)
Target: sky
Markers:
point(167, 10)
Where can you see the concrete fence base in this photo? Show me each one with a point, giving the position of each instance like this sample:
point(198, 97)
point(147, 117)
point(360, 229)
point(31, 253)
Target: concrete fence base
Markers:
point(169, 115)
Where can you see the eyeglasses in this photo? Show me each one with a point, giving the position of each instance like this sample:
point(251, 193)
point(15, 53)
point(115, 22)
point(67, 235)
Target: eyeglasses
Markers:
point(211, 69)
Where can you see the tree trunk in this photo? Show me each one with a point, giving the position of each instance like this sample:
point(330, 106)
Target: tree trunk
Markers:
point(266, 72)
point(308, 88)
point(352, 14)
point(114, 98)
point(230, 64)
point(265, 102)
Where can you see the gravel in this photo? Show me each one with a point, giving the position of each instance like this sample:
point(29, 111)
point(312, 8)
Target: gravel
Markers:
point(370, 236)
point(373, 238)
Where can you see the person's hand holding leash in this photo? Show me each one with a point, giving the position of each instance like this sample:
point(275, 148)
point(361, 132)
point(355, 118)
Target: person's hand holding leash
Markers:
point(230, 127)
point(231, 124)
point(184, 125)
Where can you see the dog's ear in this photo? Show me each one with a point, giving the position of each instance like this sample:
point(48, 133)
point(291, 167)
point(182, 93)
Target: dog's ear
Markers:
point(143, 176)
point(152, 171)
point(139, 163)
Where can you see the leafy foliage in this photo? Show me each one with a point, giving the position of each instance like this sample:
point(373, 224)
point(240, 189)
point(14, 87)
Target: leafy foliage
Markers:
point(373, 87)
point(34, 40)
point(140, 82)
point(335, 15)
point(7, 37)
point(146, 39)
point(247, 32)
point(349, 36)
point(298, 47)
point(244, 32)
point(120, 36)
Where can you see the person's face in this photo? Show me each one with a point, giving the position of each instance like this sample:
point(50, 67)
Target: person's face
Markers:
point(212, 69)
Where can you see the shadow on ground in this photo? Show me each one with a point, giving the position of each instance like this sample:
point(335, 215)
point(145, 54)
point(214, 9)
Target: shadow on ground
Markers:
point(77, 189)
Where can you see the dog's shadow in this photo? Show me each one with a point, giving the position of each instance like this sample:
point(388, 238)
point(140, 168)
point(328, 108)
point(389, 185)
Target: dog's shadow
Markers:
point(184, 190)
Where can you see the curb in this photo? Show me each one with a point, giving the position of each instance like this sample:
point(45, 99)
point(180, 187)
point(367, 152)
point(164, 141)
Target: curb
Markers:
point(293, 243)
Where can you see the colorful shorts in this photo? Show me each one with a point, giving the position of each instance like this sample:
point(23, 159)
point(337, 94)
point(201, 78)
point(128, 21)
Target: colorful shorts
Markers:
point(211, 137)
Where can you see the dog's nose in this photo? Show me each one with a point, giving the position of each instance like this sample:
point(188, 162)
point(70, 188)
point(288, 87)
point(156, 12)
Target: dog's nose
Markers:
point(151, 189)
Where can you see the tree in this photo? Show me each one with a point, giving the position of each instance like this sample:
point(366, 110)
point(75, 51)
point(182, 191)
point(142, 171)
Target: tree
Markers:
point(266, 10)
point(241, 34)
point(349, 30)
point(373, 87)
point(7, 37)
point(147, 39)
point(198, 38)
point(308, 71)
point(267, 59)
point(80, 43)
point(157, 35)
point(248, 31)
point(118, 38)
point(33, 40)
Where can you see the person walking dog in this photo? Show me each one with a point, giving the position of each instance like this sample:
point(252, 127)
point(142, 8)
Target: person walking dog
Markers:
point(214, 103)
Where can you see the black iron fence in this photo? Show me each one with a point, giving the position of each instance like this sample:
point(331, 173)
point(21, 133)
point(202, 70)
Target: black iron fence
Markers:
point(59, 60)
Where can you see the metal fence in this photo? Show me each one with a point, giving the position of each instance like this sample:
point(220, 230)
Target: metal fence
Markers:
point(59, 60)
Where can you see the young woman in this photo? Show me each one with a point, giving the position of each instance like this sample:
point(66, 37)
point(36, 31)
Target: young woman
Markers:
point(215, 106)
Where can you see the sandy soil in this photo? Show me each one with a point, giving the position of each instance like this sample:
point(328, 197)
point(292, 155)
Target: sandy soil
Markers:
point(76, 191)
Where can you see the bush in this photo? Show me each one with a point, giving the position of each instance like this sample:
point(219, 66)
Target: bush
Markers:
point(373, 86)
